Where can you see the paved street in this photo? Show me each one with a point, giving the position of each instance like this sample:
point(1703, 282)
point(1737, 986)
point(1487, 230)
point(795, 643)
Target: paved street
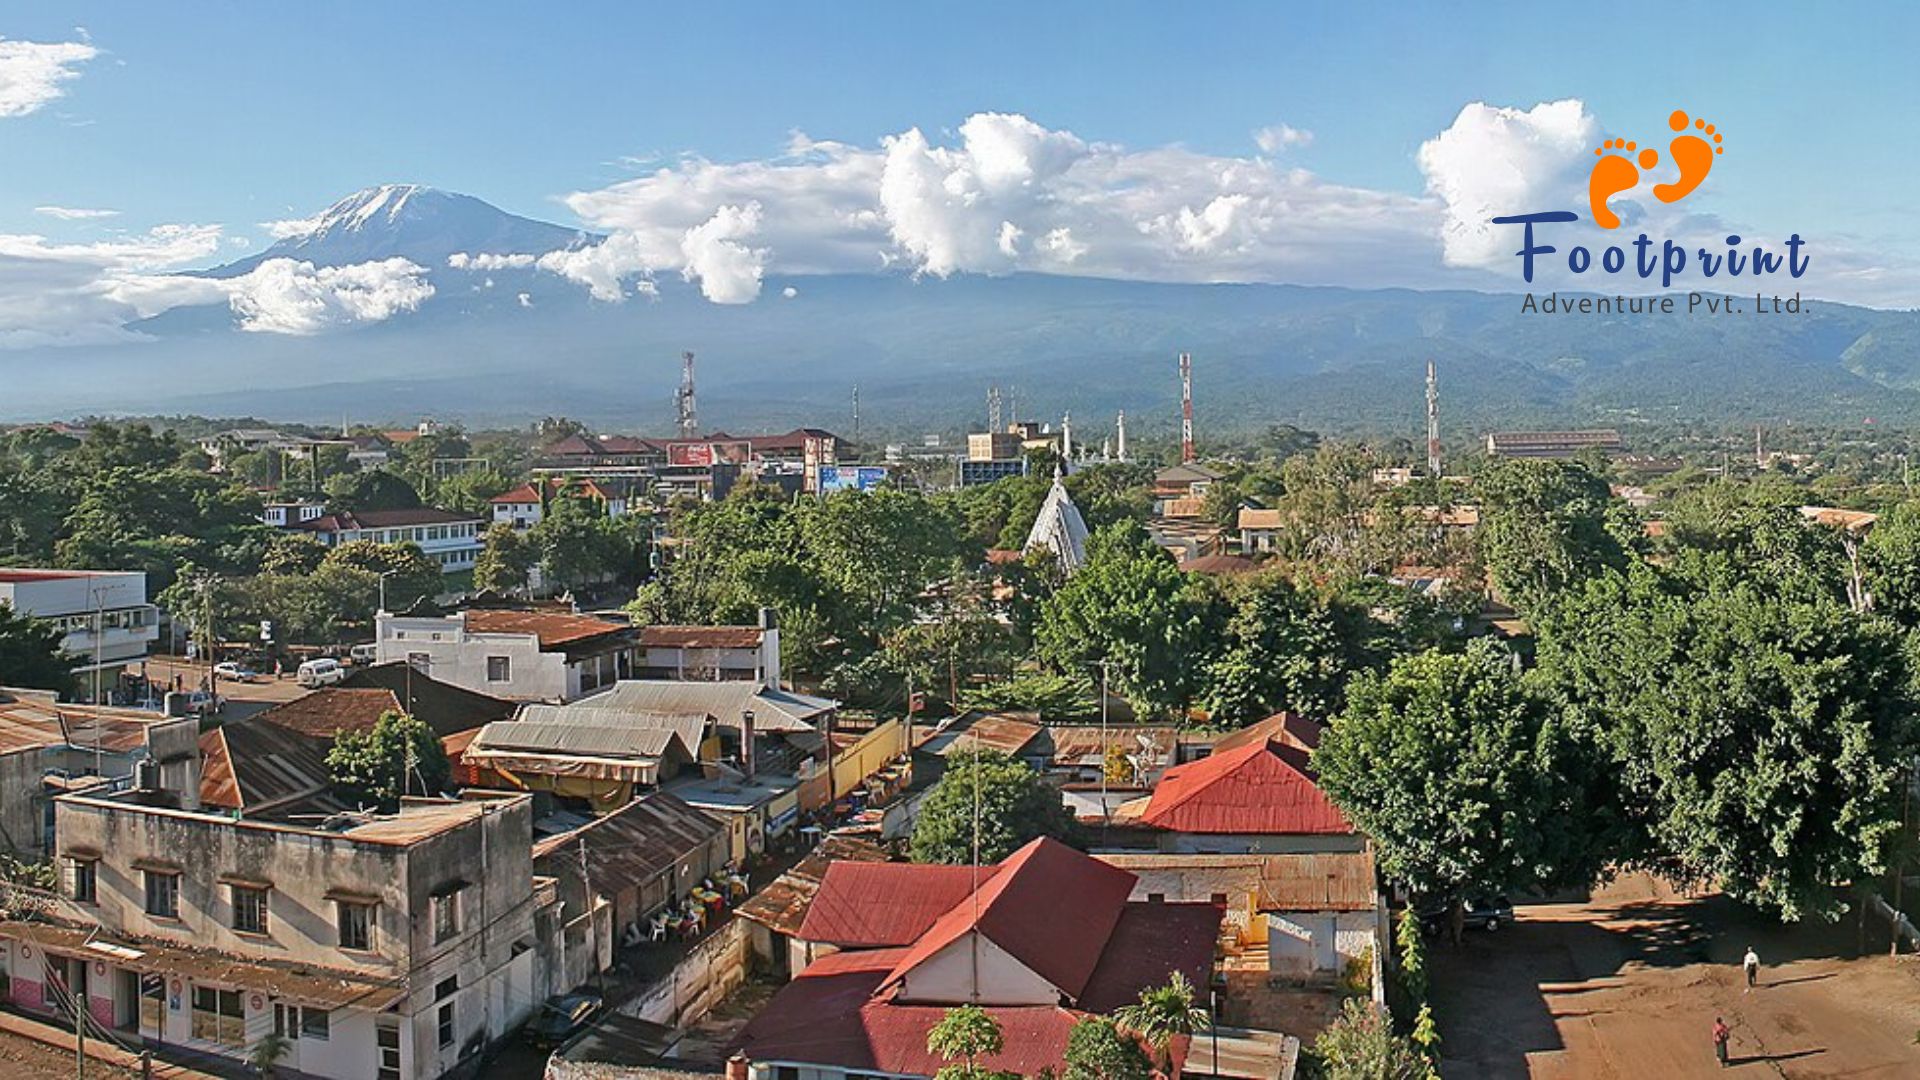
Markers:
point(1628, 984)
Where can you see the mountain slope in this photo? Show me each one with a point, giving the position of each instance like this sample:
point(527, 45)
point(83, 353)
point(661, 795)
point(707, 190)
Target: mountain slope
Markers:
point(508, 345)
point(423, 224)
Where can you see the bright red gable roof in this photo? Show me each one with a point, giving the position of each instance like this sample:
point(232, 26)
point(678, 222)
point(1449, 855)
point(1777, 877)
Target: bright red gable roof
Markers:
point(1259, 788)
point(1050, 907)
point(870, 905)
point(522, 494)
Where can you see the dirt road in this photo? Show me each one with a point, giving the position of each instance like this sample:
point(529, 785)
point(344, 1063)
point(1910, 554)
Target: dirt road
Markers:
point(1627, 986)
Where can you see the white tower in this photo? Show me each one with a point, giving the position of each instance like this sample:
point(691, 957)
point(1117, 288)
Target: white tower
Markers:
point(1066, 437)
point(1120, 434)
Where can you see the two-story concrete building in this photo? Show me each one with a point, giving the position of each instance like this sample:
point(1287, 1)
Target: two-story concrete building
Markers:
point(535, 655)
point(104, 616)
point(450, 539)
point(389, 947)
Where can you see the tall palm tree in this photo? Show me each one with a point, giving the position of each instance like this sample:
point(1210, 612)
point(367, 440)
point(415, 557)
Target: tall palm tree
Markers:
point(1163, 1013)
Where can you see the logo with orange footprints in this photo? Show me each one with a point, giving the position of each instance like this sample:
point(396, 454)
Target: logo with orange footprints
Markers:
point(1616, 172)
point(1619, 167)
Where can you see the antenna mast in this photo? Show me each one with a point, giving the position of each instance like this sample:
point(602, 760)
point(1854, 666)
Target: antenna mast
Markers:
point(993, 410)
point(1186, 407)
point(856, 412)
point(689, 424)
point(1433, 423)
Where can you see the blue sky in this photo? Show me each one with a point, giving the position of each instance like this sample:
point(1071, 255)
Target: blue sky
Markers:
point(240, 113)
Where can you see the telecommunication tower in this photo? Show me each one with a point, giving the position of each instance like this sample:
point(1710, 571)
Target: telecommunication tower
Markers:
point(1186, 407)
point(683, 400)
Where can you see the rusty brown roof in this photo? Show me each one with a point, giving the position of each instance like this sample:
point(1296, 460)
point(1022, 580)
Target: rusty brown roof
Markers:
point(251, 766)
point(29, 721)
point(783, 905)
point(1319, 881)
point(635, 843)
point(701, 637)
point(553, 629)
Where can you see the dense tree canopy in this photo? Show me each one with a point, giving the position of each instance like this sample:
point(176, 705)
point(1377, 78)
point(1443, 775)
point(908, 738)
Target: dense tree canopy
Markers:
point(30, 653)
point(1016, 805)
point(399, 755)
point(1461, 776)
point(1544, 527)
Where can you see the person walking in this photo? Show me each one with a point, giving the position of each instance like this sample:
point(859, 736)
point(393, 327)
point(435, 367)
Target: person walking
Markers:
point(1720, 1036)
point(1751, 964)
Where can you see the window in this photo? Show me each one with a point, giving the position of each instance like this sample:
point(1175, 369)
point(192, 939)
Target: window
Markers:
point(249, 909)
point(446, 988)
point(217, 1016)
point(387, 1040)
point(83, 880)
point(315, 1023)
point(163, 894)
point(419, 661)
point(499, 669)
point(445, 1028)
point(356, 925)
point(446, 916)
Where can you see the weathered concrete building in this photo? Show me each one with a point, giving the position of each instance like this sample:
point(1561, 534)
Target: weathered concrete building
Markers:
point(48, 748)
point(519, 655)
point(393, 947)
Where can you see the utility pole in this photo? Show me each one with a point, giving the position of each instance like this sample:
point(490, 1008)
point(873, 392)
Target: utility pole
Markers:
point(856, 412)
point(1105, 816)
point(593, 917)
point(1433, 423)
point(1186, 408)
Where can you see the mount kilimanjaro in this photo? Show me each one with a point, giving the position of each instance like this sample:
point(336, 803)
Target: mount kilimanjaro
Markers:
point(508, 344)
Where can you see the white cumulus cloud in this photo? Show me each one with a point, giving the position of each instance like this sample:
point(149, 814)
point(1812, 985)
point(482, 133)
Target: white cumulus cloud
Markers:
point(31, 72)
point(1493, 161)
point(718, 258)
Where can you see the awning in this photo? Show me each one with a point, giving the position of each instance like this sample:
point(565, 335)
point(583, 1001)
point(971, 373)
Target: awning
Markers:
point(303, 984)
point(628, 770)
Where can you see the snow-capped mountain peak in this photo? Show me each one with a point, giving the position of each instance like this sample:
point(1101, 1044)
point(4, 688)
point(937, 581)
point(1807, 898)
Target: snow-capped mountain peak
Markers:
point(411, 221)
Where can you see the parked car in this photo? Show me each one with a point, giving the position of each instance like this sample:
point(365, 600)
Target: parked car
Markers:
point(561, 1017)
point(231, 670)
point(200, 703)
point(323, 672)
point(1482, 913)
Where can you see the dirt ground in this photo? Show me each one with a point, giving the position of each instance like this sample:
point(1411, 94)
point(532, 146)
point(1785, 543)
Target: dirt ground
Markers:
point(1627, 985)
point(23, 1059)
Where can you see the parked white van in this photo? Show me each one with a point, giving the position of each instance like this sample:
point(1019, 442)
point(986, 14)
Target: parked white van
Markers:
point(321, 673)
point(363, 654)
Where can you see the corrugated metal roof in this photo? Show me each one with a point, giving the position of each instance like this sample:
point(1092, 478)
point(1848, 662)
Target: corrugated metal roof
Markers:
point(875, 905)
point(1050, 907)
point(29, 721)
point(988, 731)
point(591, 735)
point(1317, 881)
point(553, 629)
point(691, 727)
point(634, 844)
point(783, 904)
point(701, 637)
point(773, 710)
point(1262, 788)
point(1288, 727)
point(250, 765)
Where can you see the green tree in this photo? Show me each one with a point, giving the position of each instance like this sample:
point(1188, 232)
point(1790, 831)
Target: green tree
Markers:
point(469, 492)
point(1131, 606)
point(1361, 1045)
point(966, 1034)
point(879, 550)
point(1053, 697)
point(30, 653)
point(398, 755)
point(1891, 558)
point(1413, 958)
point(371, 489)
point(410, 575)
point(1759, 735)
point(579, 544)
point(1016, 805)
point(1457, 773)
point(293, 553)
point(1163, 1014)
point(506, 561)
point(1283, 651)
point(1097, 1050)
point(1544, 527)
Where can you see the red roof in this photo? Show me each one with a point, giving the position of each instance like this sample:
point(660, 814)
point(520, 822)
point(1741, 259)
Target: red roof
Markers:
point(1263, 787)
point(1050, 907)
point(553, 628)
point(11, 576)
point(867, 905)
point(525, 493)
point(834, 1013)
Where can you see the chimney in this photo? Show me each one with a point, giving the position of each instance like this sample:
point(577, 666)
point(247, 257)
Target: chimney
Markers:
point(746, 743)
point(769, 648)
point(737, 1067)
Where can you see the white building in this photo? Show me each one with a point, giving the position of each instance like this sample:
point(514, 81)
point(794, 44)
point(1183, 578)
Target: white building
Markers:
point(388, 947)
point(712, 653)
point(453, 540)
point(288, 515)
point(103, 613)
point(519, 655)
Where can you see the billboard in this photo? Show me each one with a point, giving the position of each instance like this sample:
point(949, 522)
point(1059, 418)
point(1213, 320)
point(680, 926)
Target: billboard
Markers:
point(851, 478)
point(688, 453)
